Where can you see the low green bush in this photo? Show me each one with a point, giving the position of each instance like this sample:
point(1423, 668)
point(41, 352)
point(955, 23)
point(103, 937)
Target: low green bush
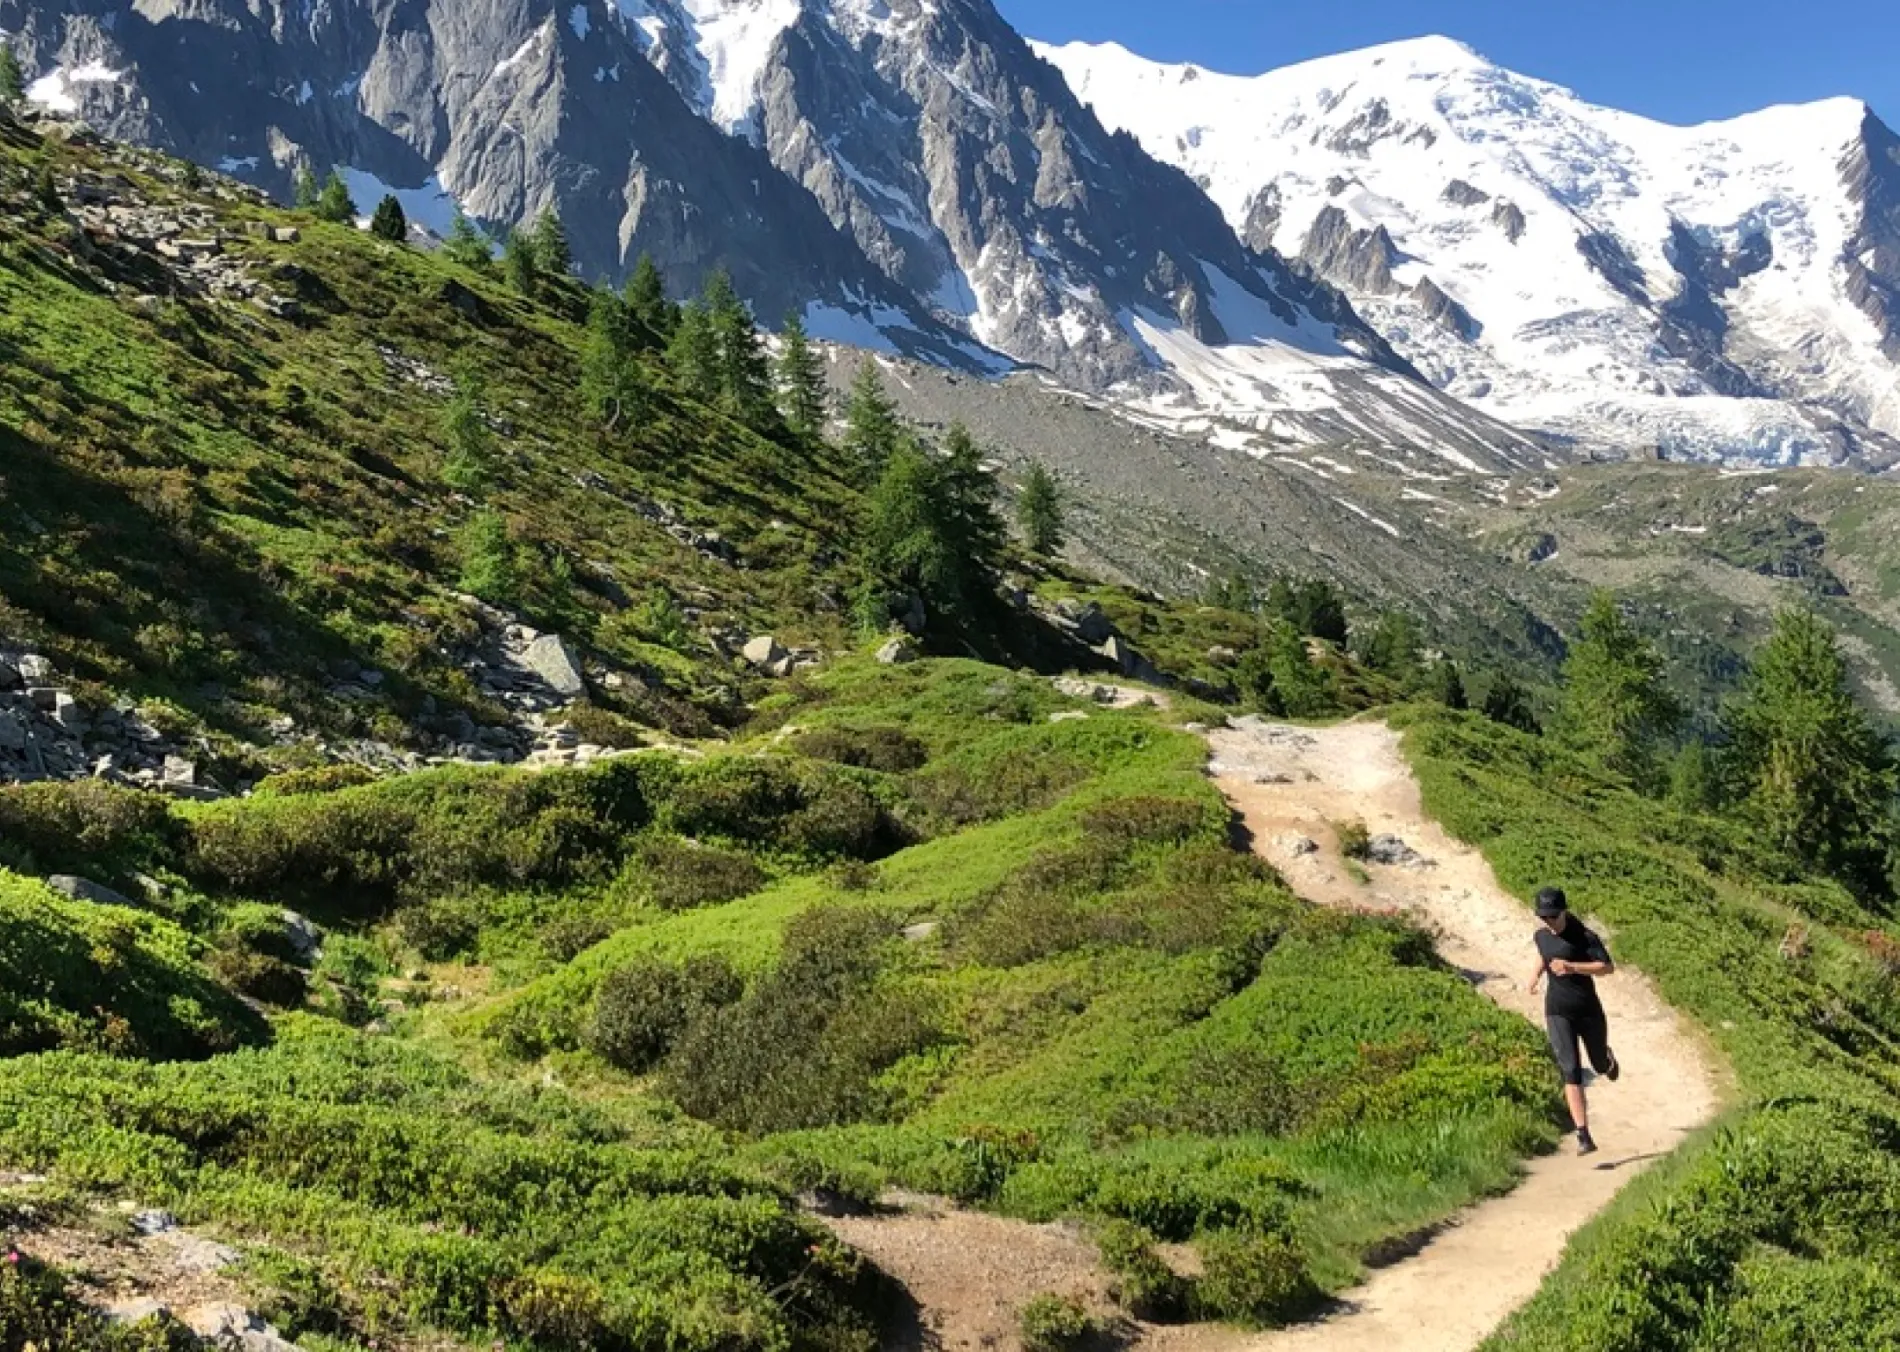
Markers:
point(1253, 1277)
point(677, 875)
point(1053, 1323)
point(885, 749)
point(317, 779)
point(1123, 824)
point(83, 826)
point(644, 1007)
point(1144, 1284)
point(37, 1311)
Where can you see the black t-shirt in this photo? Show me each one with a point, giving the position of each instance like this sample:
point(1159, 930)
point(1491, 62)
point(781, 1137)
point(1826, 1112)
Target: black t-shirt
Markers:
point(1573, 994)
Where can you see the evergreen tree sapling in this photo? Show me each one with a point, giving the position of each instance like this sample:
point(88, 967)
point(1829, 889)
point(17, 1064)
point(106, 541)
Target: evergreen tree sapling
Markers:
point(744, 376)
point(1449, 685)
point(801, 381)
point(553, 256)
point(389, 222)
point(307, 189)
point(467, 246)
point(1616, 711)
point(490, 566)
point(976, 527)
point(1039, 511)
point(519, 262)
point(469, 464)
point(12, 78)
point(334, 203)
point(872, 427)
point(613, 385)
point(1391, 649)
point(693, 353)
point(1806, 761)
point(931, 524)
point(647, 300)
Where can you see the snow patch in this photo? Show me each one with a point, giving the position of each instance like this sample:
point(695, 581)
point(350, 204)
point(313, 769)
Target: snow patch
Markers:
point(577, 20)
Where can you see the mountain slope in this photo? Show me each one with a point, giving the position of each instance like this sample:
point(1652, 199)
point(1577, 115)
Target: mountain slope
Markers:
point(506, 107)
point(1723, 290)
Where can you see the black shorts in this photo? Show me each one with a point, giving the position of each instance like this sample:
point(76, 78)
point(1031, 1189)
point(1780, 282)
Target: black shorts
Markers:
point(1567, 1030)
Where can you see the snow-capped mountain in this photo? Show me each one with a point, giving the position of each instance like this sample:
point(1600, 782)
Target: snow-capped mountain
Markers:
point(906, 172)
point(1731, 289)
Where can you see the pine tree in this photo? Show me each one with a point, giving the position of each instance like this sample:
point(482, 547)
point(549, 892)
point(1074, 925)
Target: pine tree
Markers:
point(389, 222)
point(519, 262)
point(1616, 711)
point(1312, 607)
point(469, 464)
point(1450, 685)
point(553, 256)
point(693, 354)
point(744, 374)
point(491, 566)
point(1693, 785)
point(1253, 675)
point(905, 539)
point(646, 298)
point(1304, 689)
point(1391, 649)
point(192, 176)
point(334, 202)
point(801, 381)
point(308, 190)
point(613, 385)
point(1811, 770)
point(1230, 592)
point(12, 78)
point(1039, 511)
point(872, 427)
point(467, 245)
point(975, 527)
point(1509, 703)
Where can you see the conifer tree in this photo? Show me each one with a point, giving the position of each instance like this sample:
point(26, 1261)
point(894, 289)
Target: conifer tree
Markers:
point(334, 202)
point(12, 78)
point(469, 464)
point(519, 261)
point(613, 385)
point(801, 381)
point(974, 525)
point(553, 256)
point(647, 300)
point(1693, 784)
point(872, 427)
point(467, 245)
point(1304, 689)
point(308, 190)
point(1391, 649)
point(744, 374)
point(1039, 511)
point(491, 566)
point(389, 222)
point(1450, 685)
point(905, 538)
point(693, 354)
point(1616, 711)
point(1809, 766)
point(1253, 675)
point(1509, 703)
point(1230, 592)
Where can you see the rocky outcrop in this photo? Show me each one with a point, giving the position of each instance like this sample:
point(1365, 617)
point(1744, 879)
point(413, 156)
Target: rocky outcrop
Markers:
point(1443, 311)
point(1461, 194)
point(1359, 259)
point(1509, 217)
point(1870, 172)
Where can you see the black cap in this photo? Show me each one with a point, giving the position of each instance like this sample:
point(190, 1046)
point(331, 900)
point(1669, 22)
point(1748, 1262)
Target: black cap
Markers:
point(1551, 903)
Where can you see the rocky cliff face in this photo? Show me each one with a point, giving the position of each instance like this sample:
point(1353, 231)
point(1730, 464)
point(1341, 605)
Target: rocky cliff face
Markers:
point(504, 107)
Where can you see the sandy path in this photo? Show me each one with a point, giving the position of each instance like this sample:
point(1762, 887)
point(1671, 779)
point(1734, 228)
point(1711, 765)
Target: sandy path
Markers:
point(1290, 783)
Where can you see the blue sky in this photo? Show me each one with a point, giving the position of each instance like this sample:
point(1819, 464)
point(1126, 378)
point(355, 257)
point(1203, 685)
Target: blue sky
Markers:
point(1677, 60)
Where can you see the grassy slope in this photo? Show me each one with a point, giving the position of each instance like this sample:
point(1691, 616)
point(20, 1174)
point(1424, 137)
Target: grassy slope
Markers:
point(1777, 1228)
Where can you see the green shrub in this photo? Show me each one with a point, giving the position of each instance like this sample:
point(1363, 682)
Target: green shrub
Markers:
point(259, 929)
point(555, 1310)
point(806, 1044)
point(566, 937)
point(1122, 824)
point(37, 1312)
point(1355, 840)
point(974, 788)
point(317, 779)
point(889, 750)
point(1253, 1277)
point(259, 975)
point(441, 929)
point(603, 727)
point(644, 1007)
point(678, 875)
point(82, 825)
point(349, 976)
point(1144, 1284)
point(1052, 1323)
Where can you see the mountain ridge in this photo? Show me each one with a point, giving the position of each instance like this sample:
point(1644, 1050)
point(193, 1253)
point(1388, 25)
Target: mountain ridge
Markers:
point(1731, 282)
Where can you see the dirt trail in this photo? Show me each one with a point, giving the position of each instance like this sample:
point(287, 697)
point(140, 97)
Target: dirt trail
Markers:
point(1290, 785)
point(967, 1274)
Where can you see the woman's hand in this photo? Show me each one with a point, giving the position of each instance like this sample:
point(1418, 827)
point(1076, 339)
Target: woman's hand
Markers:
point(1559, 967)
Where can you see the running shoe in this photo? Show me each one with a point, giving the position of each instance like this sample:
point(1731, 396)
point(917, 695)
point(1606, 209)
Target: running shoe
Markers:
point(1585, 1146)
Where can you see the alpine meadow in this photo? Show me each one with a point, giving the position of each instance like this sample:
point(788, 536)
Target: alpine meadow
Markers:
point(719, 677)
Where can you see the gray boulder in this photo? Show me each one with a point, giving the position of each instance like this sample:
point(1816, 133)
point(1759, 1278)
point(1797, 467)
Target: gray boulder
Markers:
point(897, 652)
point(763, 652)
point(84, 889)
point(554, 662)
point(1389, 849)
